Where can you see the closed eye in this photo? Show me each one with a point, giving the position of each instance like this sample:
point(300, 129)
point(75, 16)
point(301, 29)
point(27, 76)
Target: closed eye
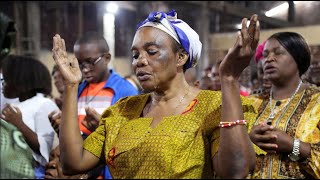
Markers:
point(152, 52)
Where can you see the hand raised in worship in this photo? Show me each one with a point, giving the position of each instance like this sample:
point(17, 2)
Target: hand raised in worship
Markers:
point(239, 56)
point(55, 120)
point(69, 68)
point(91, 121)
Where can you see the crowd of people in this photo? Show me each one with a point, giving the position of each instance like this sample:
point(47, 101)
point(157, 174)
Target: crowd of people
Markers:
point(164, 122)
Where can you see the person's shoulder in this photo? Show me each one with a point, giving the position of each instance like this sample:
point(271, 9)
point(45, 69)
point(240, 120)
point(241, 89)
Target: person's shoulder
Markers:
point(209, 93)
point(127, 105)
point(132, 99)
point(46, 101)
point(209, 98)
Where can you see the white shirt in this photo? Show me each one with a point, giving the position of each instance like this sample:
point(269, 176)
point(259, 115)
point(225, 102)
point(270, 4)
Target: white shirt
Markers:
point(35, 115)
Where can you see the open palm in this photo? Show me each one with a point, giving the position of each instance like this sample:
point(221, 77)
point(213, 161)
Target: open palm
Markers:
point(69, 68)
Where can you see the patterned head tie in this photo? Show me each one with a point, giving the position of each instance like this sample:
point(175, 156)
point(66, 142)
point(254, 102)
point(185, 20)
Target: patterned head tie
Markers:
point(179, 31)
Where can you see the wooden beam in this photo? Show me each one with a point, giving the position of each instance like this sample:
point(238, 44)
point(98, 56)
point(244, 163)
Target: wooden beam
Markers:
point(236, 10)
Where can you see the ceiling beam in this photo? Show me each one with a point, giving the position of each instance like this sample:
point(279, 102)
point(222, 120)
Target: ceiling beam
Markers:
point(239, 11)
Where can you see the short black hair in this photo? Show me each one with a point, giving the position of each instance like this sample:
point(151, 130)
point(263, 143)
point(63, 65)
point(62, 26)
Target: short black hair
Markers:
point(94, 37)
point(27, 74)
point(297, 46)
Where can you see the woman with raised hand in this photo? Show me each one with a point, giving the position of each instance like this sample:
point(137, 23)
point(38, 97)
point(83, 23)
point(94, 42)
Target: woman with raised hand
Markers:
point(175, 131)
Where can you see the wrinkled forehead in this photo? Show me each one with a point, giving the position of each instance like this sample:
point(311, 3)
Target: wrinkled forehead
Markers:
point(149, 34)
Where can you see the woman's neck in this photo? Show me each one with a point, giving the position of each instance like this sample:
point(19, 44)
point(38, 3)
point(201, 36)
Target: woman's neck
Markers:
point(175, 89)
point(285, 90)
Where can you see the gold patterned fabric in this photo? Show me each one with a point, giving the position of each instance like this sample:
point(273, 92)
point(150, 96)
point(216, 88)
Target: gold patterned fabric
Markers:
point(180, 146)
point(301, 119)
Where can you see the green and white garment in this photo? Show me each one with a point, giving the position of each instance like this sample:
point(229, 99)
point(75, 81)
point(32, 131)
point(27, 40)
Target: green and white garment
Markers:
point(15, 155)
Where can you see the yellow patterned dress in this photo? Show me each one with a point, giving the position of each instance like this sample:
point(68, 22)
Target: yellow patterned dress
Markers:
point(180, 146)
point(300, 119)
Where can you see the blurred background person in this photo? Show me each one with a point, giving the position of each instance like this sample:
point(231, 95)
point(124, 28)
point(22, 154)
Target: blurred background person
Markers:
point(29, 80)
point(15, 154)
point(263, 84)
point(312, 76)
point(206, 83)
point(58, 82)
point(215, 76)
point(191, 77)
point(101, 87)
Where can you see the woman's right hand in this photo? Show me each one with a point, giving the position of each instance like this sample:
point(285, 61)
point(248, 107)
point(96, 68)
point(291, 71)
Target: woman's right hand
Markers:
point(69, 68)
point(240, 55)
point(261, 136)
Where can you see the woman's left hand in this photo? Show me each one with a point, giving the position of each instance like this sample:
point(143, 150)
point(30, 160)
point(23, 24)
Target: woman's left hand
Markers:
point(283, 141)
point(12, 115)
point(240, 55)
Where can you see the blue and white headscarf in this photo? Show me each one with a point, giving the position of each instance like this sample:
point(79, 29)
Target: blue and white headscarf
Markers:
point(179, 31)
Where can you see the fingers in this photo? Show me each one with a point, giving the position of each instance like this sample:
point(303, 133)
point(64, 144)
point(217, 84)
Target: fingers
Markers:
point(51, 114)
point(55, 119)
point(252, 25)
point(268, 147)
point(238, 45)
point(256, 38)
point(265, 137)
point(54, 48)
point(92, 112)
point(59, 49)
point(90, 123)
point(55, 115)
point(9, 109)
point(63, 44)
point(244, 30)
point(262, 128)
point(74, 63)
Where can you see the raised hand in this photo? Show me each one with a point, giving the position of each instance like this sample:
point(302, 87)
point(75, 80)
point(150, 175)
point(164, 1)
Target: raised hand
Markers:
point(239, 56)
point(69, 68)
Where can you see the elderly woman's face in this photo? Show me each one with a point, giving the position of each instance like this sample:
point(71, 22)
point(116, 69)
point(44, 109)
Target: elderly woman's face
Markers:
point(154, 60)
point(278, 64)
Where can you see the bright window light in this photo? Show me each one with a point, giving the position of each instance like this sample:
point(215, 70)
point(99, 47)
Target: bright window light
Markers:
point(282, 7)
point(278, 9)
point(112, 8)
